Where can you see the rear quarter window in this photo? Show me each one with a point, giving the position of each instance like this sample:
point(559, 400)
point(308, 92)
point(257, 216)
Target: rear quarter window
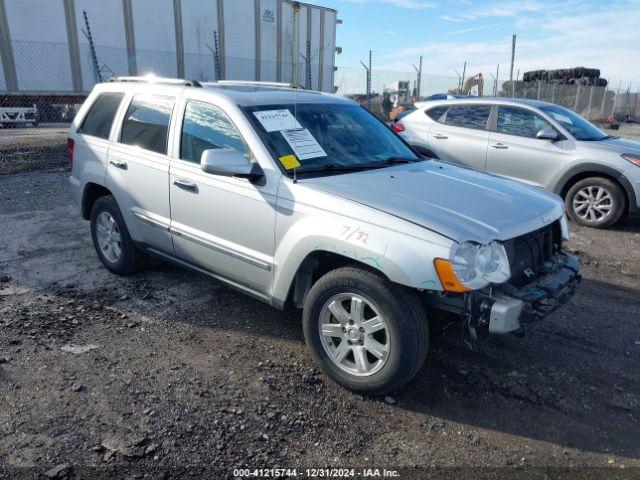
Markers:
point(436, 113)
point(99, 118)
point(469, 116)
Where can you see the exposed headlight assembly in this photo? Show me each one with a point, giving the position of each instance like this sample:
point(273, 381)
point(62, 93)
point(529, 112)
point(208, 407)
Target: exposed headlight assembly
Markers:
point(473, 266)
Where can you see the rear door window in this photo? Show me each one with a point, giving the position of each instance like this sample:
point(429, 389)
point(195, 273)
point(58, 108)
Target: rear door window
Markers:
point(520, 122)
point(468, 116)
point(436, 113)
point(146, 123)
point(100, 117)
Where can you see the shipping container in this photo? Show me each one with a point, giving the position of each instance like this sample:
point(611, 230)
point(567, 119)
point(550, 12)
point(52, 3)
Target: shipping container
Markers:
point(64, 47)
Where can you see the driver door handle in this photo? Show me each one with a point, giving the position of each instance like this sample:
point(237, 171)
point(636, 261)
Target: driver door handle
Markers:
point(187, 185)
point(119, 164)
point(500, 146)
point(439, 136)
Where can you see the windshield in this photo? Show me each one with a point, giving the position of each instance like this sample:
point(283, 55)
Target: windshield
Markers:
point(326, 137)
point(577, 126)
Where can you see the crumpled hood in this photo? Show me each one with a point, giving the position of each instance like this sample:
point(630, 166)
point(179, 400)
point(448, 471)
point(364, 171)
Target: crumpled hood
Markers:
point(456, 202)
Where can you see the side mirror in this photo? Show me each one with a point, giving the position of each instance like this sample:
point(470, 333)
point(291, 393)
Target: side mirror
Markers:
point(229, 163)
point(548, 133)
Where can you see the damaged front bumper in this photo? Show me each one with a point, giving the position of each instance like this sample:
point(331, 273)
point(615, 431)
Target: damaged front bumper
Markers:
point(505, 309)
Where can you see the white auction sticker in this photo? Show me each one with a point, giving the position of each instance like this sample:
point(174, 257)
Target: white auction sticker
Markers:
point(303, 144)
point(277, 120)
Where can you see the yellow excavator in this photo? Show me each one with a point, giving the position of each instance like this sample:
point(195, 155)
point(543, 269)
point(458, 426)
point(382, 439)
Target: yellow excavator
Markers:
point(475, 81)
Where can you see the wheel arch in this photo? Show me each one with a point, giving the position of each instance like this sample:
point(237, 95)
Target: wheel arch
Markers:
point(587, 170)
point(315, 265)
point(92, 191)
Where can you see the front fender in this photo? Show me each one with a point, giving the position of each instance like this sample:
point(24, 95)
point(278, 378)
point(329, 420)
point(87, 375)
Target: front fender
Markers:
point(563, 178)
point(403, 258)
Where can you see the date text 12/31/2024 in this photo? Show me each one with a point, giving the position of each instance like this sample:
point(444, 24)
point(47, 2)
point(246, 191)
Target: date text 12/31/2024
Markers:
point(315, 473)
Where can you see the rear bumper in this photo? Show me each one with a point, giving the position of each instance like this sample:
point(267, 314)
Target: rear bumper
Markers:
point(74, 190)
point(515, 306)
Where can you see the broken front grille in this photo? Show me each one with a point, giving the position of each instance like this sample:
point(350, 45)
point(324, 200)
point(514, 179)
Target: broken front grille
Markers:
point(528, 253)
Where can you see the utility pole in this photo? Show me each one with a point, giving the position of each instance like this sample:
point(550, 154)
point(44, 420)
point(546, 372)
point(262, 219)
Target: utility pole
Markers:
point(295, 51)
point(615, 101)
point(92, 49)
point(419, 78)
point(513, 57)
point(307, 68)
point(216, 55)
point(464, 71)
point(368, 70)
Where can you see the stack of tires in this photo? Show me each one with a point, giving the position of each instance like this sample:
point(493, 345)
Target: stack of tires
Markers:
point(567, 76)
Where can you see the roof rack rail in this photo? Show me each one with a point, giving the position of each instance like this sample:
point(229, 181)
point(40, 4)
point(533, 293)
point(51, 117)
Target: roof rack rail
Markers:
point(253, 83)
point(154, 79)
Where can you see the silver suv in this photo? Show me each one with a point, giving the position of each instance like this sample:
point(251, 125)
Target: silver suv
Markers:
point(536, 142)
point(306, 199)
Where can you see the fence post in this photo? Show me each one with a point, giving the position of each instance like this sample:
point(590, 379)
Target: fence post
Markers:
point(604, 99)
point(538, 89)
point(553, 93)
point(589, 107)
point(575, 104)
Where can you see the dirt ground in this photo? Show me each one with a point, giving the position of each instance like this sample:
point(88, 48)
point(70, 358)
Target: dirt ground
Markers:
point(184, 377)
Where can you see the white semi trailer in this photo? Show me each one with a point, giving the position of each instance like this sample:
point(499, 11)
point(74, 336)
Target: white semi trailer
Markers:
point(46, 47)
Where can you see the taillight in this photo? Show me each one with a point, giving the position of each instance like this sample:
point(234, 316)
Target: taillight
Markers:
point(70, 146)
point(397, 127)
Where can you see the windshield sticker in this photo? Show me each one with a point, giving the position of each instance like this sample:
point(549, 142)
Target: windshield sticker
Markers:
point(561, 118)
point(277, 120)
point(303, 144)
point(289, 162)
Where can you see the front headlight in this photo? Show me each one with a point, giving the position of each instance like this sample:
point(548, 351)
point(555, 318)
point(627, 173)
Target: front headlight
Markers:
point(476, 266)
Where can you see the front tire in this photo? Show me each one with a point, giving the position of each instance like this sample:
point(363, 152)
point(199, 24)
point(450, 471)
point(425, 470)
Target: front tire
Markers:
point(595, 202)
point(111, 239)
point(366, 333)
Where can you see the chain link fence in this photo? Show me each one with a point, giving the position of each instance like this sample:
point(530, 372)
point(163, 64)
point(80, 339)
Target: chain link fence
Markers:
point(43, 68)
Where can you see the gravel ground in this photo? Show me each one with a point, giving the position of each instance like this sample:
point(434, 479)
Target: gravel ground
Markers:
point(168, 373)
point(187, 373)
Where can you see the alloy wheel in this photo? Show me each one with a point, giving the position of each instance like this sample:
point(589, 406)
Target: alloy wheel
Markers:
point(354, 334)
point(593, 203)
point(108, 236)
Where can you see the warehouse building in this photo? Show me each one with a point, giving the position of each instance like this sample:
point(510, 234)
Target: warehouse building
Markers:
point(63, 47)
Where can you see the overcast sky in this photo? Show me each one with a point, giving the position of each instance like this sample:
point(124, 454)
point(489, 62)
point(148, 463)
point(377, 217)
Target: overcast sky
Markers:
point(601, 34)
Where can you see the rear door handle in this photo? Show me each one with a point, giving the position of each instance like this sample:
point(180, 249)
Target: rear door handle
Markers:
point(187, 185)
point(500, 146)
point(440, 137)
point(119, 164)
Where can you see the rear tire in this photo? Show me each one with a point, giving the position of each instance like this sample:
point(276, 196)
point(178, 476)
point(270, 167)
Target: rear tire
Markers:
point(111, 239)
point(379, 338)
point(595, 202)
